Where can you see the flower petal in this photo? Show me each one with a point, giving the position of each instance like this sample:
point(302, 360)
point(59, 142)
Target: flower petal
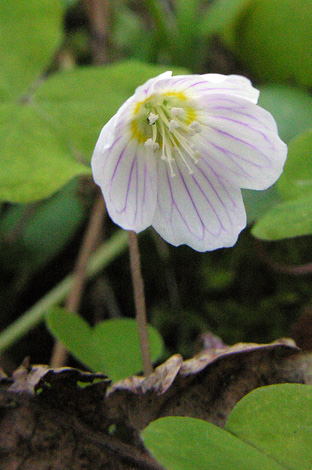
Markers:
point(201, 85)
point(201, 209)
point(126, 173)
point(148, 86)
point(240, 142)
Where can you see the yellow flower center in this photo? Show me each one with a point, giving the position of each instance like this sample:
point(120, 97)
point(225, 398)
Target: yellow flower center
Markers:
point(165, 124)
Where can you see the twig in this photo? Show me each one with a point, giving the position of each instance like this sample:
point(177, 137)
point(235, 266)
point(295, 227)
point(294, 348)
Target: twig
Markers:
point(139, 300)
point(91, 237)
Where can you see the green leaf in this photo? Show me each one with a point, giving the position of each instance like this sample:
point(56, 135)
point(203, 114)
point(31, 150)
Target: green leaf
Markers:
point(293, 217)
point(80, 102)
point(289, 219)
point(117, 342)
point(180, 443)
point(296, 180)
point(112, 346)
point(258, 202)
point(269, 429)
point(291, 108)
point(46, 139)
point(30, 32)
point(44, 229)
point(277, 420)
point(35, 161)
point(75, 333)
point(273, 38)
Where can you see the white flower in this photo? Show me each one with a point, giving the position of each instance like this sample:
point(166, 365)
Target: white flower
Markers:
point(177, 152)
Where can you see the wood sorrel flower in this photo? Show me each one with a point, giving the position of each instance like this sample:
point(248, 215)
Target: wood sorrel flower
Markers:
point(177, 152)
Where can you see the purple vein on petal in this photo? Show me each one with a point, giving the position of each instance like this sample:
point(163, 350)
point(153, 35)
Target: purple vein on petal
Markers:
point(228, 154)
point(231, 136)
point(216, 193)
point(193, 204)
point(225, 118)
point(110, 150)
point(235, 107)
point(174, 203)
point(145, 183)
point(117, 164)
point(128, 189)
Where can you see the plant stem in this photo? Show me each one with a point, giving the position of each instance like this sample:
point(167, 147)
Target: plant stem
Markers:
point(59, 354)
point(107, 252)
point(139, 299)
point(100, 18)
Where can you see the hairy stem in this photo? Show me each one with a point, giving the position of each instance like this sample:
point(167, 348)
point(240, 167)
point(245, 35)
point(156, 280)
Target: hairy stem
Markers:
point(139, 300)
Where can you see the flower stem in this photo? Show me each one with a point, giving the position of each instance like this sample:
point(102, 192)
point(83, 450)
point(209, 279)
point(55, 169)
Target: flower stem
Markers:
point(139, 299)
point(100, 18)
point(59, 354)
point(107, 252)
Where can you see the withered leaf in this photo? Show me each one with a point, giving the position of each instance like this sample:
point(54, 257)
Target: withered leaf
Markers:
point(207, 386)
point(48, 421)
point(38, 437)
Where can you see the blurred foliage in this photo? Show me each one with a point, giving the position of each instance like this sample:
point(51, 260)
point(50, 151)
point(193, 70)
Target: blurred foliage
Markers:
point(274, 39)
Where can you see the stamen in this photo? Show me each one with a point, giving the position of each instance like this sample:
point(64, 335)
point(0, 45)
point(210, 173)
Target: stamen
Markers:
point(152, 118)
point(195, 126)
point(151, 144)
point(163, 117)
point(173, 125)
point(193, 154)
point(166, 149)
point(172, 133)
point(169, 161)
point(196, 156)
point(179, 112)
point(184, 160)
point(154, 133)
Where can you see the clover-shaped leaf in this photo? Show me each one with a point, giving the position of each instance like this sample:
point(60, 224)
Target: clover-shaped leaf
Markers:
point(293, 217)
point(111, 346)
point(270, 428)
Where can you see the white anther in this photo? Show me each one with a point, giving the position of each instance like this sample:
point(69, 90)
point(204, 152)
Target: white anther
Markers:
point(152, 118)
point(151, 144)
point(173, 125)
point(177, 112)
point(195, 126)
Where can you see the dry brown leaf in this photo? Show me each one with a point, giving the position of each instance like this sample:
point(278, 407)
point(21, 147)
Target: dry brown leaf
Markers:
point(206, 386)
point(54, 419)
point(61, 419)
